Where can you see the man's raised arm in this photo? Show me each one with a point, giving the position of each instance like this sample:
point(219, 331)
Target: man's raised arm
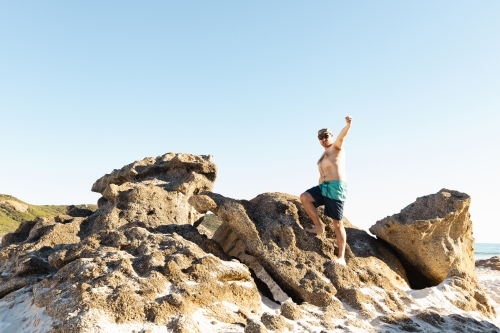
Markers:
point(340, 139)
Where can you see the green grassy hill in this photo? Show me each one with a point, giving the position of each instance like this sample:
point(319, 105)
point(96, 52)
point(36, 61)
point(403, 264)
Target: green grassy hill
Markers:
point(14, 211)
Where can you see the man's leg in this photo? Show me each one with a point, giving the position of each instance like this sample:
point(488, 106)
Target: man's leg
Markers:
point(308, 202)
point(341, 241)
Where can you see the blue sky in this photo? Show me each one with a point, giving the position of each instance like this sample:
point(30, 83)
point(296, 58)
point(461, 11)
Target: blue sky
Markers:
point(87, 87)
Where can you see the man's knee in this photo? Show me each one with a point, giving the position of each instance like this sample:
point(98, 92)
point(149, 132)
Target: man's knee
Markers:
point(306, 198)
point(337, 224)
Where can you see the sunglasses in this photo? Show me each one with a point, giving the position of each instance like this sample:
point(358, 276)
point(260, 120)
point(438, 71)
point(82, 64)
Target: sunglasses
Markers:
point(323, 136)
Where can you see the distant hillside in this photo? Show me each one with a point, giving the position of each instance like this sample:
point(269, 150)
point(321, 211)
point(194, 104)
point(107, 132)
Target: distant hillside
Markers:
point(211, 222)
point(14, 211)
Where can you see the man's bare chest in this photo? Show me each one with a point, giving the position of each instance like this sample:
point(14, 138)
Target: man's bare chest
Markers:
point(329, 157)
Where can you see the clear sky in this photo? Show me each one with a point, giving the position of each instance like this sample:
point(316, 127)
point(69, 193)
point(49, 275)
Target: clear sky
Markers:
point(90, 86)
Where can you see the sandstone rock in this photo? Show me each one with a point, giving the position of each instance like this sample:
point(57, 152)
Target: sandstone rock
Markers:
point(25, 263)
point(78, 212)
point(108, 265)
point(139, 276)
point(466, 293)
point(291, 310)
point(401, 322)
point(153, 191)
point(255, 327)
point(266, 233)
point(492, 263)
point(140, 260)
point(434, 239)
point(20, 235)
point(186, 173)
point(273, 322)
point(433, 235)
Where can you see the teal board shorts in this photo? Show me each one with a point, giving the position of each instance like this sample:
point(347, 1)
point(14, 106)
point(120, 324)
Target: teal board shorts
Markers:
point(331, 194)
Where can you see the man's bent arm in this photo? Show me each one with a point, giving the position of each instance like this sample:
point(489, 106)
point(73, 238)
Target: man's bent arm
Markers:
point(340, 138)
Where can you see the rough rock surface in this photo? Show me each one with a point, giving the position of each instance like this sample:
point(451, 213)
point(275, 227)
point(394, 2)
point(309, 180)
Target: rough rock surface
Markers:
point(139, 264)
point(267, 234)
point(492, 263)
point(433, 236)
point(136, 275)
point(153, 191)
point(19, 235)
point(78, 212)
point(136, 259)
point(133, 275)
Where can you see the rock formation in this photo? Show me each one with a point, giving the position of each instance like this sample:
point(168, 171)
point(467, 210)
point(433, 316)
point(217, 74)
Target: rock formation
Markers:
point(266, 233)
point(433, 236)
point(492, 263)
point(78, 212)
point(24, 255)
point(136, 275)
point(136, 259)
point(140, 264)
point(153, 191)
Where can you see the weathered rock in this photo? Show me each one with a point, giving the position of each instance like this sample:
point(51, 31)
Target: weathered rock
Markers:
point(466, 293)
point(186, 173)
point(492, 263)
point(136, 259)
point(267, 234)
point(153, 191)
point(401, 322)
point(433, 235)
point(78, 212)
point(291, 310)
point(434, 239)
point(273, 322)
point(26, 262)
point(20, 235)
point(255, 327)
point(140, 260)
point(139, 276)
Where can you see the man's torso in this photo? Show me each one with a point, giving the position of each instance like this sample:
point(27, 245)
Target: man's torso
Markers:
point(331, 164)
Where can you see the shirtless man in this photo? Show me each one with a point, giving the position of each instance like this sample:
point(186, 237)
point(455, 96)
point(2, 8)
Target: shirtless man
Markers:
point(332, 189)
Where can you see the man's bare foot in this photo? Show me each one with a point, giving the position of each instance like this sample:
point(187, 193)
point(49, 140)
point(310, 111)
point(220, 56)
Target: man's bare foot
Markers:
point(339, 261)
point(316, 230)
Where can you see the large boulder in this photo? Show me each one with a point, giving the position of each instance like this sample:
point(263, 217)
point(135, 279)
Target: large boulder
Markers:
point(491, 263)
point(24, 255)
point(140, 264)
point(267, 234)
point(433, 236)
point(74, 211)
point(137, 260)
point(153, 191)
point(139, 276)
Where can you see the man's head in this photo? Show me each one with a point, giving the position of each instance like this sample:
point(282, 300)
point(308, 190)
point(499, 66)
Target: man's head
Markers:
point(325, 137)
